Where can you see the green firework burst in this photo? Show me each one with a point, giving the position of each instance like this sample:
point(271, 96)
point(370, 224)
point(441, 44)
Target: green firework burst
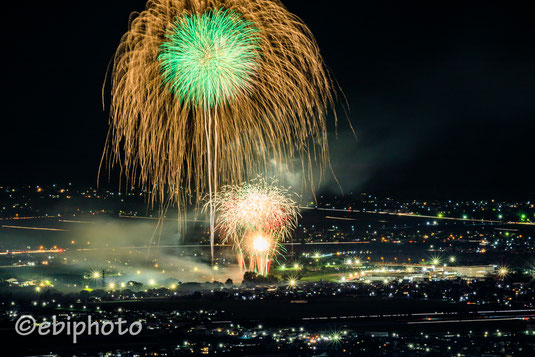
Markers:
point(208, 59)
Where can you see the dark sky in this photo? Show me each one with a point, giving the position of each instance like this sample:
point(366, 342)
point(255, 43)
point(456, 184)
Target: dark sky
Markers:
point(441, 93)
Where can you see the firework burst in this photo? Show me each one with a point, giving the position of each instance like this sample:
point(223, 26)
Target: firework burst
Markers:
point(210, 92)
point(209, 59)
point(256, 217)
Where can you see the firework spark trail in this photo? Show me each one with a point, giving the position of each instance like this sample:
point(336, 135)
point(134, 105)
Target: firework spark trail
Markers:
point(256, 218)
point(34, 228)
point(210, 92)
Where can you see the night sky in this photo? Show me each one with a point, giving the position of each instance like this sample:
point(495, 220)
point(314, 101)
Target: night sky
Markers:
point(441, 93)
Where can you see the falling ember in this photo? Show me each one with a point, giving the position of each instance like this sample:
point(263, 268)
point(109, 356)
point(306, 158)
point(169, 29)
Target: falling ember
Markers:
point(256, 217)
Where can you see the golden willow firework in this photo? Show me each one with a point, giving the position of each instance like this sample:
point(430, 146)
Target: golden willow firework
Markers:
point(255, 217)
point(210, 92)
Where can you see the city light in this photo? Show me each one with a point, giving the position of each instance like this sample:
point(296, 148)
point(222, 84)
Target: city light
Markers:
point(503, 271)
